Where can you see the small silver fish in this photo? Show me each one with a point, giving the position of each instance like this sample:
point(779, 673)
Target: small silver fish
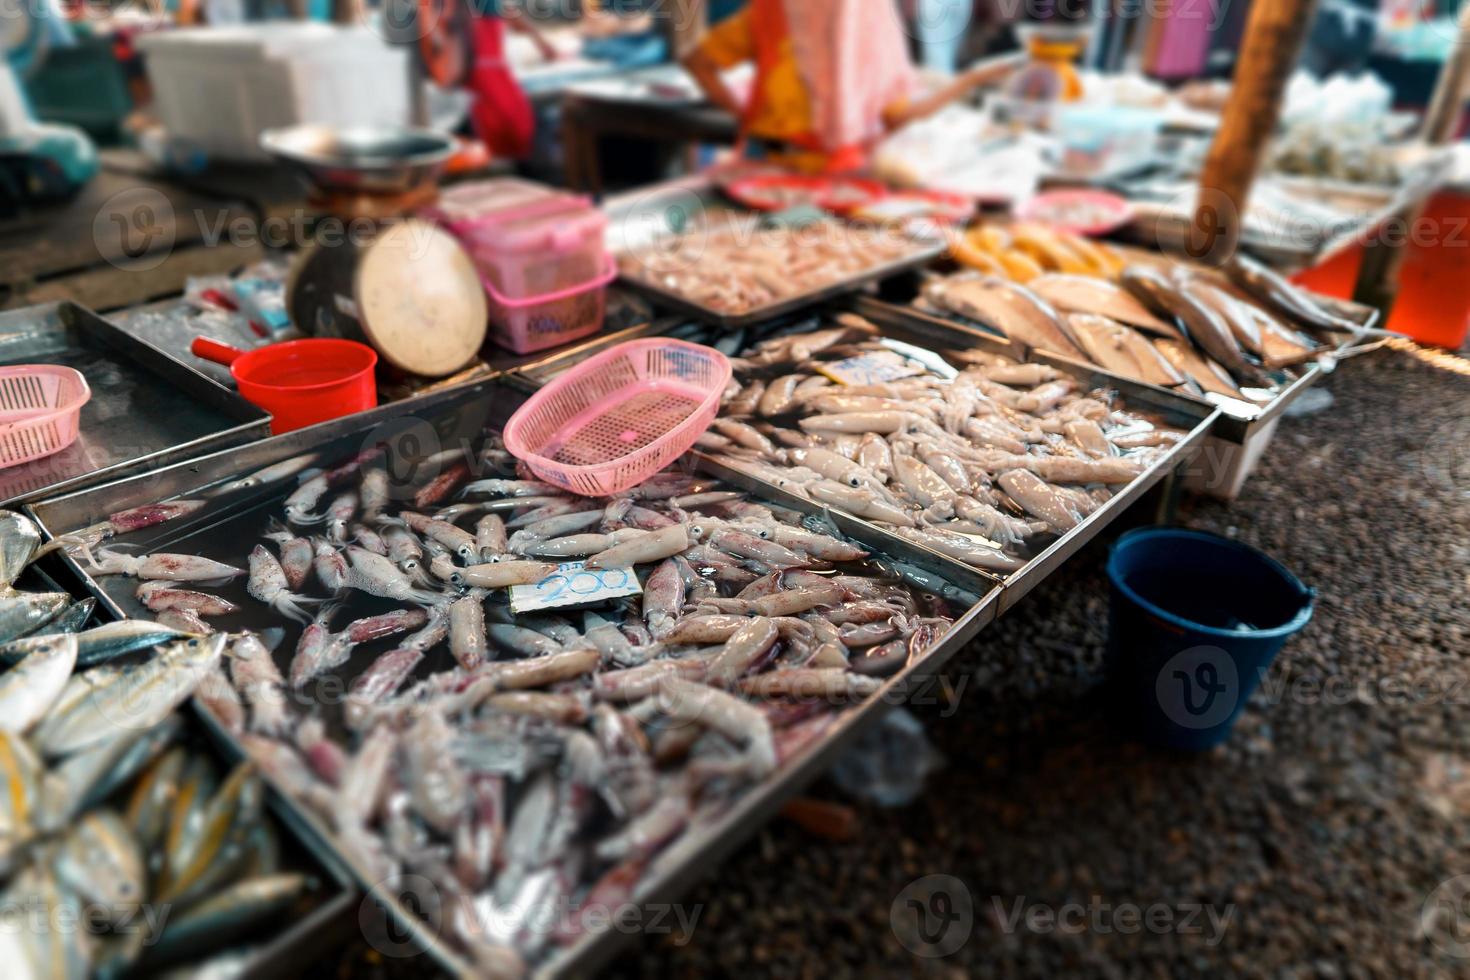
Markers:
point(25, 612)
point(31, 687)
point(72, 619)
point(138, 698)
point(19, 540)
point(100, 860)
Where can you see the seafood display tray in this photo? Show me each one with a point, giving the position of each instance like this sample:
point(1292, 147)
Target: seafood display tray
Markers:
point(1195, 416)
point(640, 218)
point(444, 419)
point(674, 302)
point(1229, 427)
point(337, 894)
point(330, 920)
point(147, 409)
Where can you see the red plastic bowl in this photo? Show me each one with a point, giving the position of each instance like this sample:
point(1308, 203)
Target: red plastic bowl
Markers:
point(300, 382)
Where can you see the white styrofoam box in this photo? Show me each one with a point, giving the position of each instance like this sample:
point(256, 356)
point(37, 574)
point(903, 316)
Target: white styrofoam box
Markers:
point(1221, 469)
point(219, 88)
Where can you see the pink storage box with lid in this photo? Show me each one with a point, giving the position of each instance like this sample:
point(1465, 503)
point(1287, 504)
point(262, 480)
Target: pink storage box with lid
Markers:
point(541, 255)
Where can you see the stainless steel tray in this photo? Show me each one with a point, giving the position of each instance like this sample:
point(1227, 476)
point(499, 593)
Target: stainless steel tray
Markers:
point(330, 920)
point(450, 416)
point(147, 409)
point(1230, 427)
point(640, 218)
point(1195, 416)
point(670, 300)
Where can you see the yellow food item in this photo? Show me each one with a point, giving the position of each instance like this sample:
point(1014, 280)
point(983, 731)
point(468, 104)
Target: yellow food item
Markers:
point(990, 238)
point(965, 253)
point(1020, 266)
point(1107, 262)
point(1050, 251)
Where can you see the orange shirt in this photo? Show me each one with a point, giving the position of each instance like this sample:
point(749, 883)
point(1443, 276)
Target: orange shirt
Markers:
point(784, 106)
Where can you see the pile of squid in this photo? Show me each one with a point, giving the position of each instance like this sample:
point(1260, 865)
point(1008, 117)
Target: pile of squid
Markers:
point(1236, 336)
point(742, 268)
point(528, 762)
point(982, 467)
point(111, 820)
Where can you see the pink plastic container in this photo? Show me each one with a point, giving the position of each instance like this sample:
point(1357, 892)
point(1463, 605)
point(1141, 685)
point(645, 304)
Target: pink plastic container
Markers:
point(616, 419)
point(541, 256)
point(40, 411)
point(465, 206)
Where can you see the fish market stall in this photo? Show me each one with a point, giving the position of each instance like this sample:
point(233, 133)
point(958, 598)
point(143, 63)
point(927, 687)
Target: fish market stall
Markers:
point(476, 566)
point(1159, 322)
point(483, 681)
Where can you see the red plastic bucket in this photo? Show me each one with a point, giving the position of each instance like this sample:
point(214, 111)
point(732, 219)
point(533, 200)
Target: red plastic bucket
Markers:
point(300, 382)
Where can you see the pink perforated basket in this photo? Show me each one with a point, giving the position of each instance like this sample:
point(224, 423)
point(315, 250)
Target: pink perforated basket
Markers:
point(40, 411)
point(618, 418)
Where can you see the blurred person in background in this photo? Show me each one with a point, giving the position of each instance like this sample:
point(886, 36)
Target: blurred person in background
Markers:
point(832, 77)
point(502, 115)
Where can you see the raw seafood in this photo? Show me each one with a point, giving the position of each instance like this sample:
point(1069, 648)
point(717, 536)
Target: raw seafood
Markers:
point(742, 268)
point(976, 468)
point(554, 751)
point(1008, 307)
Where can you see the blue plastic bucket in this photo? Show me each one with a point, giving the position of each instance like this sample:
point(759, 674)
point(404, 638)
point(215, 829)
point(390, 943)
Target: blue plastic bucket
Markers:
point(1195, 621)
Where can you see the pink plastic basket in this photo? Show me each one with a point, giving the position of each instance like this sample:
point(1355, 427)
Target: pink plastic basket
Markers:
point(618, 418)
point(40, 411)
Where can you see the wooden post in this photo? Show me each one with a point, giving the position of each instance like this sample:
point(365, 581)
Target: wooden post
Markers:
point(1443, 115)
point(1273, 41)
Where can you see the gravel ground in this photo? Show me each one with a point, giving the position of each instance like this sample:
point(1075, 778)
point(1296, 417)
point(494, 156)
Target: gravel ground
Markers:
point(1311, 844)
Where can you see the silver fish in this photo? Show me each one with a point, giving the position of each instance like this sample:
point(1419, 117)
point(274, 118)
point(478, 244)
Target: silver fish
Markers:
point(19, 540)
point(50, 952)
point(227, 916)
point(139, 698)
point(20, 806)
point(110, 640)
point(153, 796)
point(72, 619)
point(31, 687)
point(85, 779)
point(274, 473)
point(25, 612)
point(101, 861)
